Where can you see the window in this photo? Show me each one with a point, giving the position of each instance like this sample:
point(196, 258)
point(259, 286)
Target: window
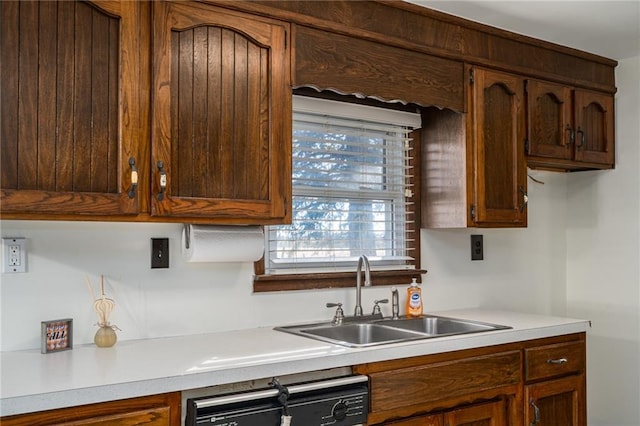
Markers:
point(352, 192)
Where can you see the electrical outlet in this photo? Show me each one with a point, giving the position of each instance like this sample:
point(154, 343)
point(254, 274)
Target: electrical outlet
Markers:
point(477, 249)
point(14, 255)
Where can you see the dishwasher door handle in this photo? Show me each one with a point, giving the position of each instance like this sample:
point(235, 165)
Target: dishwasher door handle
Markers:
point(270, 393)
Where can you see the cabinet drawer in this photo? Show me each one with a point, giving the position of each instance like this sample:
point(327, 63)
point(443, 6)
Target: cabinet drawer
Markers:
point(413, 386)
point(554, 360)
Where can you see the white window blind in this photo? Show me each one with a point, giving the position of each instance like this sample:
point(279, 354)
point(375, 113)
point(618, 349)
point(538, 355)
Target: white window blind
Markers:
point(351, 184)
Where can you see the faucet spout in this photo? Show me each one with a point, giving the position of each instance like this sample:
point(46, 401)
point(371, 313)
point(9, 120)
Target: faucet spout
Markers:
point(363, 260)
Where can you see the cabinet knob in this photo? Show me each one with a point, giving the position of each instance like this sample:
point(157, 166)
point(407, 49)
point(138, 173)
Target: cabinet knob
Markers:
point(134, 177)
point(572, 134)
point(580, 132)
point(525, 199)
point(163, 180)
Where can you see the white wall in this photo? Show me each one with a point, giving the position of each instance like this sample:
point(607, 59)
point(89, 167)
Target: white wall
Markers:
point(603, 264)
point(524, 270)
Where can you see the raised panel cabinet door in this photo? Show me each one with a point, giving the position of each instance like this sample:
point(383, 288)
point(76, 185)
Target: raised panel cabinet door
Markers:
point(550, 131)
point(594, 127)
point(154, 410)
point(491, 414)
point(221, 120)
point(497, 131)
point(429, 420)
point(560, 402)
point(70, 117)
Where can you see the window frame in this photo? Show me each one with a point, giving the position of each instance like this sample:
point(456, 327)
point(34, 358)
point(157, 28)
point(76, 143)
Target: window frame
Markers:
point(323, 280)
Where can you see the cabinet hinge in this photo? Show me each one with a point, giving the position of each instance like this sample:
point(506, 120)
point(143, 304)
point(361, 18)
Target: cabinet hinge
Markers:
point(473, 212)
point(526, 146)
point(471, 76)
point(526, 86)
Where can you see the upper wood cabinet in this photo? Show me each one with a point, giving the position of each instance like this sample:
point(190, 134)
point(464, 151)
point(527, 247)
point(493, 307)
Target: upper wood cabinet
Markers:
point(497, 132)
point(81, 81)
point(221, 120)
point(350, 65)
point(569, 129)
point(69, 79)
point(474, 170)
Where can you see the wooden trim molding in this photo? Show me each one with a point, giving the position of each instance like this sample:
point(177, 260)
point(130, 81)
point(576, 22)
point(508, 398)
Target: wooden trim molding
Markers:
point(266, 283)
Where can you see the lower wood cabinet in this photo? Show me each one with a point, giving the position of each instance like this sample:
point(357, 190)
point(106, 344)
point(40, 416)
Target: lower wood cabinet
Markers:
point(490, 414)
point(155, 410)
point(558, 402)
point(536, 382)
point(555, 383)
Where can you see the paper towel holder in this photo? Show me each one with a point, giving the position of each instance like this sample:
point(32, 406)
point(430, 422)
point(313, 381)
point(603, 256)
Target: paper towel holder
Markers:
point(187, 235)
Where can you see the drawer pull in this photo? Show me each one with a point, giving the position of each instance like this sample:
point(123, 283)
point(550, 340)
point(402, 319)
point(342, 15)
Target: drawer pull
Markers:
point(558, 361)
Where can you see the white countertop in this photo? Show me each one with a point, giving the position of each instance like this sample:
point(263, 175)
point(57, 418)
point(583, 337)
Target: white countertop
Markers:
point(31, 381)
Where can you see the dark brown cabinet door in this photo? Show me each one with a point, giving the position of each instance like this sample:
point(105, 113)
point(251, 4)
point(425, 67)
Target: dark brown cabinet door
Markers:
point(221, 120)
point(155, 410)
point(497, 131)
point(550, 131)
point(558, 402)
point(69, 112)
point(594, 127)
point(491, 414)
point(569, 129)
point(430, 420)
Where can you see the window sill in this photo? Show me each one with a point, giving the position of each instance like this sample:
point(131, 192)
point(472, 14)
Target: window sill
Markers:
point(266, 283)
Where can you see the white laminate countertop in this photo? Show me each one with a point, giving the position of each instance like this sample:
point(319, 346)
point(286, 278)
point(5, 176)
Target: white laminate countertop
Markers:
point(31, 381)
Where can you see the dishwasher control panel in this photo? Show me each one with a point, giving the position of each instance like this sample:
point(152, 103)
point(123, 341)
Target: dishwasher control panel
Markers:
point(340, 402)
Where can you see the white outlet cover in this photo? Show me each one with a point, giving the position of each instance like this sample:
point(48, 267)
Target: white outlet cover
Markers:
point(14, 255)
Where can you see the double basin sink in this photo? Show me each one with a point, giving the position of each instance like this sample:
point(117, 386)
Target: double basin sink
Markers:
point(375, 330)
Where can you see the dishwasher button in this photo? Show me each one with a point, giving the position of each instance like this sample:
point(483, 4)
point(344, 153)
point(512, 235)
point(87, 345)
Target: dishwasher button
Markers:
point(339, 411)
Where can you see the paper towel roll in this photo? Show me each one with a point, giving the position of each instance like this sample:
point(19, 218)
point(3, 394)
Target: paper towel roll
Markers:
point(222, 243)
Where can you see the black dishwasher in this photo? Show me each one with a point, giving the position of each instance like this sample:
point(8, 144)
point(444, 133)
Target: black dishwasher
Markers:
point(340, 401)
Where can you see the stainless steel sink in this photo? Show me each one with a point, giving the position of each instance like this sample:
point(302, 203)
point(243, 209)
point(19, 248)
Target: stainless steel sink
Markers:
point(370, 331)
point(361, 334)
point(440, 326)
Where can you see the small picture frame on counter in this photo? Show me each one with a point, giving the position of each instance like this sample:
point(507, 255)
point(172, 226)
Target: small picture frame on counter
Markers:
point(56, 335)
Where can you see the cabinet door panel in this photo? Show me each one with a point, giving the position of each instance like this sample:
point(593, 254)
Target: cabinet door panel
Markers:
point(549, 120)
point(431, 420)
point(594, 127)
point(154, 410)
point(69, 112)
point(450, 379)
point(559, 402)
point(222, 114)
point(493, 414)
point(498, 133)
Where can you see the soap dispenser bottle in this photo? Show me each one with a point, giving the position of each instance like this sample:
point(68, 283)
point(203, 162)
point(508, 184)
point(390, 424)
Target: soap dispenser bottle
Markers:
point(414, 300)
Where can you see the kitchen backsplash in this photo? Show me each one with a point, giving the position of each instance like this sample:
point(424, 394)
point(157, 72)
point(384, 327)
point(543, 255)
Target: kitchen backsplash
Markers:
point(524, 269)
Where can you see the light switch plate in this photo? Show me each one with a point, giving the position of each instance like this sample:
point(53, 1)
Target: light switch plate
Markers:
point(14, 255)
point(477, 247)
point(159, 253)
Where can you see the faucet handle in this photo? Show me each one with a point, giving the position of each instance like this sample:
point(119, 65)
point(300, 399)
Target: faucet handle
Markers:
point(338, 318)
point(376, 306)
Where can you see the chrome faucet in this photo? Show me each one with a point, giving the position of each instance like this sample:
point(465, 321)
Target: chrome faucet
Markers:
point(395, 305)
point(367, 282)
